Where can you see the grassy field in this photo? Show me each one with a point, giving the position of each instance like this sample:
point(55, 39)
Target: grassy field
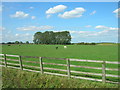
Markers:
point(13, 78)
point(91, 52)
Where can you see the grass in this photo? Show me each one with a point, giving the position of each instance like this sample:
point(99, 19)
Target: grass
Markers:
point(13, 78)
point(91, 52)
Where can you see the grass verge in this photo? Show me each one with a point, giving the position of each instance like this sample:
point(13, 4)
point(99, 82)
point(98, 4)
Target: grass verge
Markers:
point(13, 78)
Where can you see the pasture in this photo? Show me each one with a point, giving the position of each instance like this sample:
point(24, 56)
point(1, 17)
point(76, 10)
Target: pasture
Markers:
point(90, 52)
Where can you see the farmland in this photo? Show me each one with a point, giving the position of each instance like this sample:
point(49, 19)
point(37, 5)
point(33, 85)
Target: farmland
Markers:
point(90, 52)
point(97, 52)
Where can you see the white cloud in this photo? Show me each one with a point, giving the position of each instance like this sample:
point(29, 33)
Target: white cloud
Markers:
point(82, 32)
point(104, 33)
point(88, 26)
point(92, 13)
point(2, 28)
point(19, 14)
point(31, 7)
point(0, 9)
point(56, 9)
point(16, 34)
point(77, 12)
point(27, 34)
point(33, 17)
point(22, 35)
point(48, 16)
point(117, 12)
point(1, 6)
point(10, 37)
point(101, 27)
point(35, 28)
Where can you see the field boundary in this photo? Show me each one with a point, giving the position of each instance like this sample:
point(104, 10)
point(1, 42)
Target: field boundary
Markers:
point(68, 65)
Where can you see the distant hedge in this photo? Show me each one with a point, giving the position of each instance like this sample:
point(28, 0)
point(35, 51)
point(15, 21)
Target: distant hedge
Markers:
point(82, 43)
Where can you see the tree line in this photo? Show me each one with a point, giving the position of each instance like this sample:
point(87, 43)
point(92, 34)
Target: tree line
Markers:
point(50, 37)
point(17, 42)
point(85, 43)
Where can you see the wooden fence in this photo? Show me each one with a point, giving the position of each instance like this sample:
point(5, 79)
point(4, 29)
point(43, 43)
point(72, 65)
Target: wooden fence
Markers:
point(68, 65)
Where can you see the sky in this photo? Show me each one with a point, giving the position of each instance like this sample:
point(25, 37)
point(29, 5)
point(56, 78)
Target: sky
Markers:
point(60, 0)
point(86, 21)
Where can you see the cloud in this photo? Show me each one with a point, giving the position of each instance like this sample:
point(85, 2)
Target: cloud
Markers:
point(33, 17)
point(19, 14)
point(48, 16)
point(117, 12)
point(88, 26)
point(84, 33)
point(104, 33)
point(35, 28)
point(31, 7)
point(1, 6)
point(10, 37)
point(16, 34)
point(101, 27)
point(92, 13)
point(77, 12)
point(2, 28)
point(27, 34)
point(56, 9)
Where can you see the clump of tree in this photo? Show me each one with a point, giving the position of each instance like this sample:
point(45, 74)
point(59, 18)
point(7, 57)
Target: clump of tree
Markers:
point(50, 37)
point(9, 43)
point(27, 42)
point(17, 42)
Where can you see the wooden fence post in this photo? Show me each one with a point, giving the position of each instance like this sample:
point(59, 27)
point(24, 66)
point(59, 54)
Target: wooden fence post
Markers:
point(41, 65)
point(68, 67)
point(20, 61)
point(5, 60)
point(103, 72)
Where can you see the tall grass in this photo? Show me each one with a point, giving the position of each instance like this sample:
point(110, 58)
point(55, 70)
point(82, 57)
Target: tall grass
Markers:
point(13, 78)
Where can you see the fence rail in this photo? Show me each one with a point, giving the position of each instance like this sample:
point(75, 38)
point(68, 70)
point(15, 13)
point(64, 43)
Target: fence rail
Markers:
point(42, 68)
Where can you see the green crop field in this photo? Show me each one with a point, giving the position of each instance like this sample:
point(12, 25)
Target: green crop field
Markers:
point(90, 52)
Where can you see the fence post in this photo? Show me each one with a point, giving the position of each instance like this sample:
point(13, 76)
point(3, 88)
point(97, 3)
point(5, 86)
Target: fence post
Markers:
point(41, 65)
point(20, 61)
point(68, 67)
point(103, 72)
point(5, 60)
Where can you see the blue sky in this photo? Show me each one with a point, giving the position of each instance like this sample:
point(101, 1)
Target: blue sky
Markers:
point(60, 0)
point(86, 21)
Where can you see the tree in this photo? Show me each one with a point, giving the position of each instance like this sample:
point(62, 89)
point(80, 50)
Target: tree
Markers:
point(21, 42)
point(93, 43)
point(16, 42)
point(50, 37)
point(3, 43)
point(9, 43)
point(38, 38)
point(27, 42)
